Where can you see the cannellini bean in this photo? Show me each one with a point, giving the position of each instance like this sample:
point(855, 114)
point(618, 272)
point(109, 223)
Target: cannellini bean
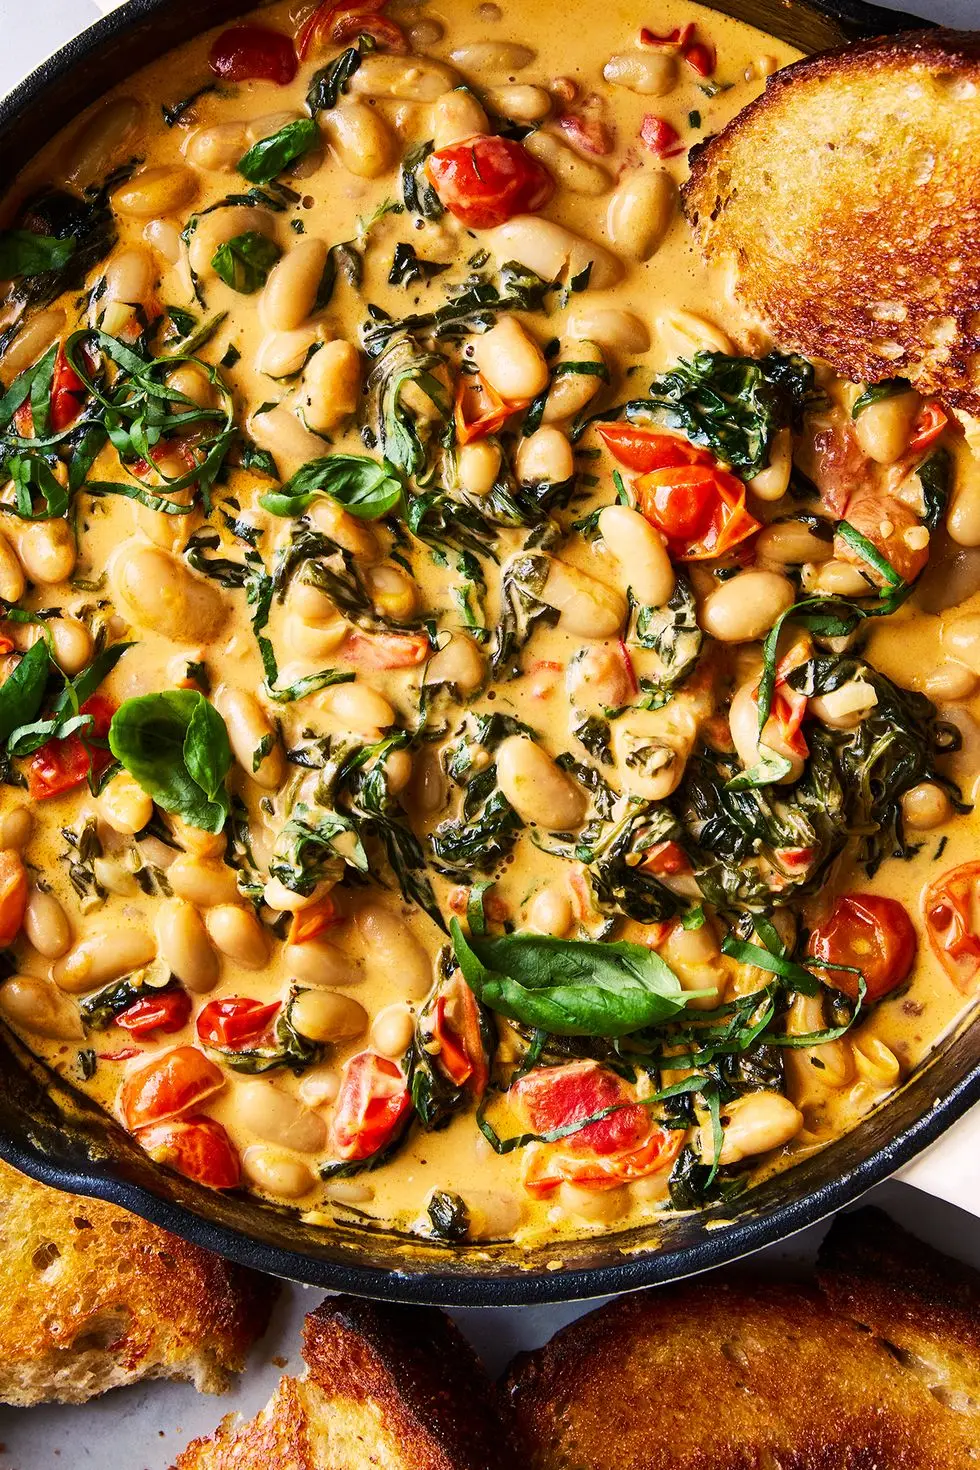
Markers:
point(327, 1016)
point(164, 236)
point(641, 554)
point(394, 949)
point(456, 115)
point(33, 338)
point(281, 354)
point(577, 174)
point(961, 640)
point(46, 925)
point(695, 958)
point(101, 137)
point(607, 325)
point(545, 457)
point(428, 787)
point(595, 1207)
point(39, 1006)
point(876, 1063)
point(925, 806)
point(511, 361)
point(360, 137)
point(392, 1030)
point(651, 748)
point(477, 467)
point(219, 226)
point(318, 962)
point(946, 682)
point(743, 721)
point(124, 805)
point(331, 386)
point(12, 579)
point(16, 825)
point(162, 593)
point(597, 676)
point(425, 33)
point(314, 641)
point(641, 212)
point(358, 707)
point(587, 606)
point(846, 707)
point(963, 515)
point(204, 882)
point(537, 789)
point(282, 434)
point(311, 603)
point(287, 900)
point(549, 250)
point(276, 1173)
point(651, 73)
point(47, 552)
point(152, 192)
point(493, 1214)
point(237, 933)
point(812, 1070)
point(571, 391)
point(520, 102)
point(407, 78)
point(753, 1124)
point(883, 429)
point(461, 664)
point(72, 643)
point(836, 578)
point(746, 606)
point(193, 383)
point(791, 543)
point(195, 840)
point(275, 1116)
point(352, 534)
point(394, 593)
point(183, 943)
point(217, 148)
point(249, 731)
point(319, 1086)
point(550, 911)
point(773, 482)
point(289, 294)
point(682, 333)
point(103, 956)
point(398, 766)
point(130, 275)
point(494, 60)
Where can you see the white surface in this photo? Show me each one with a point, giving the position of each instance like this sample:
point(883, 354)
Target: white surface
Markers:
point(145, 1428)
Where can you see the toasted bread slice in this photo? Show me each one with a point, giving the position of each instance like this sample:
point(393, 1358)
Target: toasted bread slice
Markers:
point(396, 1388)
point(94, 1298)
point(846, 199)
point(736, 1373)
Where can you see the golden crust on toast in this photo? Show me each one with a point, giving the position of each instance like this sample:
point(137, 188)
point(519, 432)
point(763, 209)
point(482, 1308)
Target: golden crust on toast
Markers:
point(846, 201)
point(94, 1298)
point(387, 1386)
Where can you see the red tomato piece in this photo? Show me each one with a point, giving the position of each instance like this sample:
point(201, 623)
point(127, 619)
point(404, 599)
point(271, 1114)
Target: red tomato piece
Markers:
point(951, 907)
point(666, 860)
point(553, 1097)
point(68, 393)
point(307, 923)
point(338, 24)
point(701, 510)
point(167, 1010)
point(545, 1169)
point(197, 1147)
point(386, 650)
point(479, 409)
point(13, 895)
point(172, 1083)
point(590, 134)
point(371, 1106)
point(679, 36)
point(928, 426)
point(661, 137)
point(254, 53)
point(457, 1029)
point(61, 765)
point(641, 449)
point(701, 57)
point(868, 933)
point(485, 181)
point(235, 1023)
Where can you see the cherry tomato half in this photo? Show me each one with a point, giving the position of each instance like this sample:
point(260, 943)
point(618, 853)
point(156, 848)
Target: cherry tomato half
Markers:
point(641, 449)
point(699, 508)
point(485, 181)
point(254, 53)
point(371, 1106)
point(951, 906)
point(457, 1029)
point(61, 765)
point(869, 933)
point(661, 137)
point(929, 424)
point(172, 1083)
point(197, 1147)
point(13, 895)
point(386, 650)
point(337, 24)
point(68, 393)
point(166, 1011)
point(236, 1022)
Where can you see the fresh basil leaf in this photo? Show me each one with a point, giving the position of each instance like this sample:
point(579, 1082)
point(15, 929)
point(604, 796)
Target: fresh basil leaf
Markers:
point(332, 80)
point(869, 552)
point(570, 987)
point(935, 477)
point(244, 263)
point(22, 253)
point(176, 746)
point(22, 692)
point(407, 268)
point(271, 156)
point(362, 486)
point(889, 388)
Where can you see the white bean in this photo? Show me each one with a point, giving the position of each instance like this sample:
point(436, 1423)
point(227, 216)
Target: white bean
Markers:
point(331, 386)
point(883, 428)
point(360, 708)
point(753, 1124)
point(587, 606)
point(576, 174)
point(289, 294)
point(152, 192)
point(279, 1118)
point(237, 933)
point(963, 515)
point(12, 579)
point(550, 250)
point(571, 391)
point(641, 212)
point(773, 482)
point(352, 534)
point(477, 467)
point(511, 361)
point(361, 139)
point(743, 721)
point(460, 664)
point(282, 354)
point(494, 1214)
point(392, 1030)
point(327, 1016)
point(47, 552)
point(282, 434)
point(407, 78)
point(520, 102)
point(651, 748)
point(537, 789)
point(124, 805)
point(219, 226)
point(925, 806)
point(746, 606)
point(162, 594)
point(276, 1173)
point(682, 333)
point(651, 74)
point(104, 956)
point(545, 457)
point(202, 881)
point(16, 825)
point(846, 707)
point(550, 911)
point(619, 330)
point(90, 151)
point(46, 925)
point(394, 949)
point(495, 60)
point(183, 944)
point(218, 148)
point(318, 962)
point(249, 731)
point(641, 554)
point(33, 338)
point(791, 543)
point(456, 115)
point(39, 1006)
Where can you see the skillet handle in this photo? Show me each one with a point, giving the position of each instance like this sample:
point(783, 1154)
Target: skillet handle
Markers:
point(950, 1168)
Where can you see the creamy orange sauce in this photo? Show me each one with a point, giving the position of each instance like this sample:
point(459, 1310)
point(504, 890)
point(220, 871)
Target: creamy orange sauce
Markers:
point(377, 938)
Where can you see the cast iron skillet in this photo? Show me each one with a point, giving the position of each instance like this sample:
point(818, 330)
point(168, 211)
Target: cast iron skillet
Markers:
point(53, 1133)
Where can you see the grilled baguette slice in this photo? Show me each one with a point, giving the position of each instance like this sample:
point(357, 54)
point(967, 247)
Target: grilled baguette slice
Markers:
point(95, 1298)
point(386, 1386)
point(846, 199)
point(741, 1373)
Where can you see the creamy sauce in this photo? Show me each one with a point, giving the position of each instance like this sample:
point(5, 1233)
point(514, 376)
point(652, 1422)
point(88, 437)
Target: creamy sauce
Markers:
point(373, 962)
